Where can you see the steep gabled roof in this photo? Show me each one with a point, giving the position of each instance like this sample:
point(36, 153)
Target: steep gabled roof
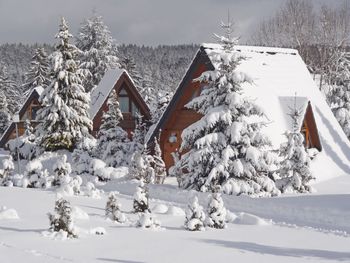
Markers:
point(277, 74)
point(113, 79)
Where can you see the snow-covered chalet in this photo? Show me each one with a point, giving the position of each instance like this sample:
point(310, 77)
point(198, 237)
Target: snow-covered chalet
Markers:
point(278, 74)
point(130, 101)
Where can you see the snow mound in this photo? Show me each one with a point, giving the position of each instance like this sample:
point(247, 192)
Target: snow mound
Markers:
point(230, 217)
point(78, 213)
point(249, 219)
point(8, 213)
point(176, 211)
point(160, 209)
point(98, 231)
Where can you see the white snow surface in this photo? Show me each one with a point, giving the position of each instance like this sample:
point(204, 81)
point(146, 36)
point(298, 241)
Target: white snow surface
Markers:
point(298, 228)
point(278, 74)
point(8, 213)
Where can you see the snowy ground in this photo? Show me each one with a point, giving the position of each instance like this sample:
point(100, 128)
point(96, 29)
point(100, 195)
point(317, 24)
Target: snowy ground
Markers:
point(311, 228)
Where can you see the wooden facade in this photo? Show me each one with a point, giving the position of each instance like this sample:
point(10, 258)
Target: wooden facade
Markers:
point(309, 130)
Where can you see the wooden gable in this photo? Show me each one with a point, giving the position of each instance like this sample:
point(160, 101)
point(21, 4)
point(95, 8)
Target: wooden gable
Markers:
point(309, 130)
point(126, 91)
point(176, 117)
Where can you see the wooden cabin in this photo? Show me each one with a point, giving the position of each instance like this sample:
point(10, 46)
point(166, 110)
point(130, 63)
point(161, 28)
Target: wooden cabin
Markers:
point(177, 117)
point(27, 112)
point(130, 101)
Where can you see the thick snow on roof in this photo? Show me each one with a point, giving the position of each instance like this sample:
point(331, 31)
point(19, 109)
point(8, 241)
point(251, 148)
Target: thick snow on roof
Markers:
point(102, 91)
point(278, 74)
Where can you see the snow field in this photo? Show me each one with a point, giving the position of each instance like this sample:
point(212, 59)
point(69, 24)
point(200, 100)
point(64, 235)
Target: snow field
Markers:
point(23, 239)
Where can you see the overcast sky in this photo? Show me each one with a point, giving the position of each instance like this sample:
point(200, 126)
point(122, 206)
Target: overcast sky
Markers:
point(149, 22)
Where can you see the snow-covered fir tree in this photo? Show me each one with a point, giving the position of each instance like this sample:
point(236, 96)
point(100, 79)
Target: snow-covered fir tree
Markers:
point(38, 73)
point(162, 101)
point(138, 135)
point(62, 170)
point(216, 210)
point(5, 116)
point(62, 219)
point(9, 88)
point(129, 65)
point(113, 143)
point(112, 209)
point(147, 220)
point(140, 203)
point(147, 91)
point(6, 172)
point(142, 166)
point(339, 96)
point(226, 145)
point(195, 216)
point(158, 163)
point(65, 113)
point(295, 167)
point(99, 50)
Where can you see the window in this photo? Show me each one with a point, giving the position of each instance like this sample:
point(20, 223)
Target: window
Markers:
point(126, 105)
point(34, 111)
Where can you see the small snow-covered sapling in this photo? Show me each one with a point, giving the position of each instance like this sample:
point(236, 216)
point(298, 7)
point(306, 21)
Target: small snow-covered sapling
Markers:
point(195, 216)
point(113, 211)
point(216, 210)
point(62, 219)
point(141, 203)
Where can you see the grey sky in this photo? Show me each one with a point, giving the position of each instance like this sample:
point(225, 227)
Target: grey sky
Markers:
point(148, 22)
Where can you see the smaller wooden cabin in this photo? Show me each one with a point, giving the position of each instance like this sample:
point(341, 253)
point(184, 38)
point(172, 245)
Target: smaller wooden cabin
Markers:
point(130, 101)
point(27, 112)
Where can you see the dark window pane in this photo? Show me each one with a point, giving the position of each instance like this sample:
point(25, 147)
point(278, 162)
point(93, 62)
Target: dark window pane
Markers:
point(124, 104)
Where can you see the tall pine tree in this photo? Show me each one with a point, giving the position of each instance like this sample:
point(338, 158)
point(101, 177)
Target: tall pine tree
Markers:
point(9, 89)
point(339, 96)
point(38, 73)
point(65, 118)
point(4, 113)
point(99, 51)
point(112, 139)
point(225, 147)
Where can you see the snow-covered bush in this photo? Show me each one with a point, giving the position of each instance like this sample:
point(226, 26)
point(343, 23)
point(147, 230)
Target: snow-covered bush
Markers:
point(227, 142)
point(147, 220)
point(141, 167)
point(112, 209)
point(91, 191)
point(62, 219)
point(62, 170)
point(35, 176)
point(195, 216)
point(26, 145)
point(140, 203)
point(6, 173)
point(82, 161)
point(216, 211)
point(295, 167)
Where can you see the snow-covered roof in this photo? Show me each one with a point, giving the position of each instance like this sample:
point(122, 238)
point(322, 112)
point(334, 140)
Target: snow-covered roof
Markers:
point(102, 91)
point(278, 74)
